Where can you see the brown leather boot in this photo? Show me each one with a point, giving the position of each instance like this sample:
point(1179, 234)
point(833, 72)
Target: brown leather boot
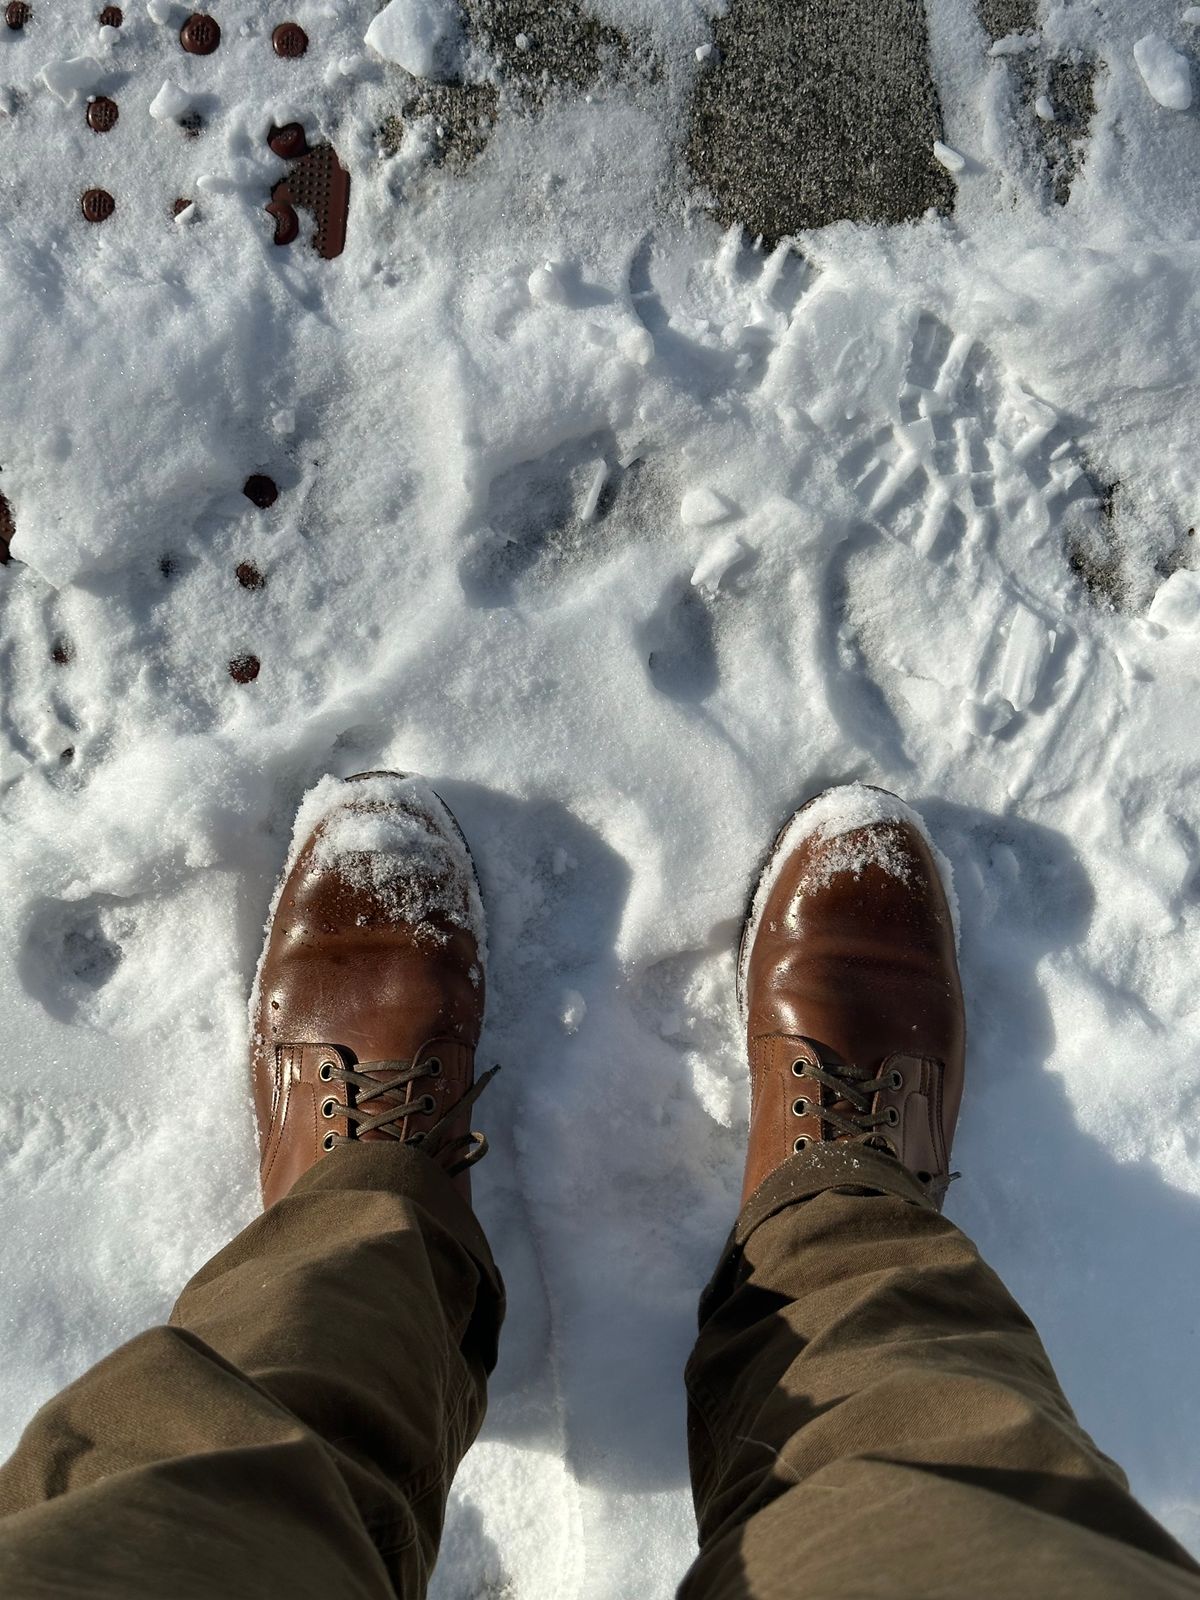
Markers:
point(848, 984)
point(369, 996)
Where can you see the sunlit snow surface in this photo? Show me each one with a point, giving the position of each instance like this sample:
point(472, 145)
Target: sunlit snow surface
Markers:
point(630, 538)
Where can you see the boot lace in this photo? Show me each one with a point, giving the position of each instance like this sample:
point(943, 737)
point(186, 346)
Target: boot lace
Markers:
point(463, 1150)
point(859, 1123)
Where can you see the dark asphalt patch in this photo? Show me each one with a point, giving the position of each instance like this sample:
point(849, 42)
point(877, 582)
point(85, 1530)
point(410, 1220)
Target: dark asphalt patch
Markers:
point(815, 113)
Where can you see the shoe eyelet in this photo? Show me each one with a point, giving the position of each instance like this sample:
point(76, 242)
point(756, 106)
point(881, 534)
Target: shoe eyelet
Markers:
point(329, 1107)
point(800, 1144)
point(924, 1177)
point(798, 1068)
point(434, 1064)
point(800, 1108)
point(893, 1117)
point(325, 1071)
point(896, 1078)
point(328, 1142)
point(426, 1106)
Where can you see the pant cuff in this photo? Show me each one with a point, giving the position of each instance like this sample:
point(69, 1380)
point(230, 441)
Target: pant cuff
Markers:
point(407, 1171)
point(824, 1167)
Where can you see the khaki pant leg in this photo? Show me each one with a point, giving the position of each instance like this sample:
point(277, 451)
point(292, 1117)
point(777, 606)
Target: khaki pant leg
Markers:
point(872, 1415)
point(295, 1429)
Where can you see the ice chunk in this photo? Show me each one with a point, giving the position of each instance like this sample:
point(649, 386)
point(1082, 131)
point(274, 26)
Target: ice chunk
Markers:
point(1014, 44)
point(702, 506)
point(1044, 108)
point(170, 103)
point(548, 284)
point(163, 11)
point(705, 52)
point(1176, 606)
point(1164, 71)
point(422, 36)
point(637, 346)
point(987, 716)
point(574, 1009)
point(186, 216)
point(67, 80)
point(1166, 855)
point(950, 159)
point(1025, 653)
point(522, 42)
point(595, 490)
point(718, 561)
point(1192, 14)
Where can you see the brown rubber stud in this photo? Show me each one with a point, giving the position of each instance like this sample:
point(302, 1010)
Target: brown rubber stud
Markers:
point(249, 576)
point(102, 114)
point(289, 141)
point(98, 205)
point(111, 17)
point(261, 490)
point(244, 669)
point(17, 14)
point(8, 531)
point(289, 40)
point(181, 204)
point(61, 652)
point(200, 34)
point(320, 184)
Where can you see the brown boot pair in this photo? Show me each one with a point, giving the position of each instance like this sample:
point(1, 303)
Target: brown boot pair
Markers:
point(369, 997)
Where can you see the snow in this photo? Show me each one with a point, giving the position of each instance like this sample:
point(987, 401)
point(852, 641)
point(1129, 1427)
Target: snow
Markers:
point(1164, 71)
point(958, 460)
point(422, 36)
point(1044, 108)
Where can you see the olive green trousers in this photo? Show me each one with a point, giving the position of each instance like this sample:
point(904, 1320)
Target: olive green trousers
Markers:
point(870, 1413)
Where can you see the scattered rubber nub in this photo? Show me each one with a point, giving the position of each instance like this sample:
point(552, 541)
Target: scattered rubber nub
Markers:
point(289, 40)
point(97, 205)
point(102, 114)
point(200, 34)
point(244, 669)
point(261, 490)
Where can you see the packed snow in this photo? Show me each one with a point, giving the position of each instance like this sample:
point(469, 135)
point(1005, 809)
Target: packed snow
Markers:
point(958, 459)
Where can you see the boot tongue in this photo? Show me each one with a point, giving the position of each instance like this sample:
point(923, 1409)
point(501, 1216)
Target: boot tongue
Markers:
point(833, 1102)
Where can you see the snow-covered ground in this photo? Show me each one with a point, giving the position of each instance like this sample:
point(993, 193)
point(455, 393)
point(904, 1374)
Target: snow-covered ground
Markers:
point(630, 536)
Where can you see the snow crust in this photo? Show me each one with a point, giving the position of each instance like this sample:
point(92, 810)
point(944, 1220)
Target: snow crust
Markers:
point(959, 463)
